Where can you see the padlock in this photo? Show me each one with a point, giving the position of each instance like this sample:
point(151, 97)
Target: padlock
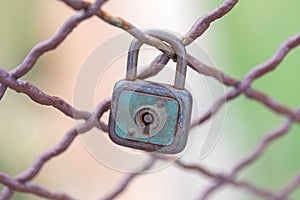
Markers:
point(147, 115)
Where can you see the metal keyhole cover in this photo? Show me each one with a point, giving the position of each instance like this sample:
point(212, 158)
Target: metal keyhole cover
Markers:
point(147, 115)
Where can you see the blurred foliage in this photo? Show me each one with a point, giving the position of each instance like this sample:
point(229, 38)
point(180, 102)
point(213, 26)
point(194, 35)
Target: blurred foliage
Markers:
point(17, 36)
point(252, 33)
point(17, 31)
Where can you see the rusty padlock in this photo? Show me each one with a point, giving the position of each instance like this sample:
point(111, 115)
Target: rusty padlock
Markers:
point(147, 115)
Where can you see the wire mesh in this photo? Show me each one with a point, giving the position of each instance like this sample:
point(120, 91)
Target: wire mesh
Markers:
point(22, 182)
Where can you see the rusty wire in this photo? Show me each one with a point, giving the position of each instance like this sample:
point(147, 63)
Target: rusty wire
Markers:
point(85, 10)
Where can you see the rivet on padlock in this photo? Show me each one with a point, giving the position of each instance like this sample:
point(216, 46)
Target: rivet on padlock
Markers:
point(147, 115)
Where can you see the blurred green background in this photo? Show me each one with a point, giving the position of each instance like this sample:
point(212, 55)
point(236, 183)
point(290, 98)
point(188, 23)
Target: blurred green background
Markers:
point(251, 34)
point(246, 37)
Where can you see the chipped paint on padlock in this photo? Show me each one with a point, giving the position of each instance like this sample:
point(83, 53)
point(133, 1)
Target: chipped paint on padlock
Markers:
point(132, 98)
point(161, 132)
point(183, 98)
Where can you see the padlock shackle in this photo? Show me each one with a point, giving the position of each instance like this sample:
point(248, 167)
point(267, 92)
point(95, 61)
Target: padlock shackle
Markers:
point(174, 42)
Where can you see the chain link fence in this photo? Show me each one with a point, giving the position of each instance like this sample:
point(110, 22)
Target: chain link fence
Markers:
point(84, 10)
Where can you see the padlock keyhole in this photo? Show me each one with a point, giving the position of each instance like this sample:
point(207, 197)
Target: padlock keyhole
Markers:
point(147, 120)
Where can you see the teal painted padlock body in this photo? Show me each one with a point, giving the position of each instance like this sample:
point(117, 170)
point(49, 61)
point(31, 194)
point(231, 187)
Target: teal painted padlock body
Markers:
point(169, 107)
point(151, 116)
point(131, 102)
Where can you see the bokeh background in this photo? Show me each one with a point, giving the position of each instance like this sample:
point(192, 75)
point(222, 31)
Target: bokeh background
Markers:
point(245, 37)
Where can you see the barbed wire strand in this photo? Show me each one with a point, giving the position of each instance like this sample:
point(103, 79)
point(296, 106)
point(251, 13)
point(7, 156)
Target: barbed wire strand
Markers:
point(85, 11)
